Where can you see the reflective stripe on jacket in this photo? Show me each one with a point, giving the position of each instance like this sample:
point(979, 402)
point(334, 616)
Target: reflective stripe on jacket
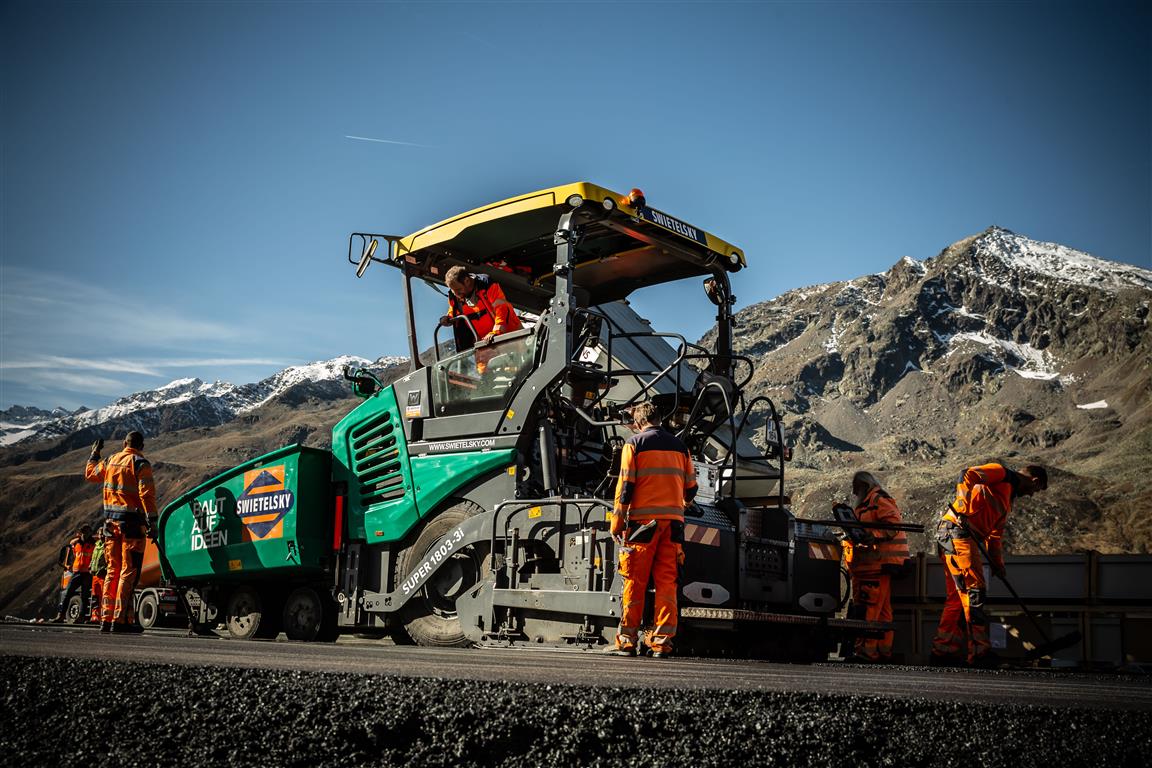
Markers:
point(888, 547)
point(656, 478)
point(492, 312)
point(128, 486)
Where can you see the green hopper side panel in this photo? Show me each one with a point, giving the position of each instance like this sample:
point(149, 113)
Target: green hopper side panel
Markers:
point(370, 455)
point(271, 516)
point(388, 492)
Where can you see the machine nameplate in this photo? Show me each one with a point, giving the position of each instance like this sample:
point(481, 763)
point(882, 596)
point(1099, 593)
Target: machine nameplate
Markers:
point(454, 446)
point(675, 225)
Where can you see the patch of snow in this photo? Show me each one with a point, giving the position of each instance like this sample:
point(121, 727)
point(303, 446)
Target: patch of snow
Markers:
point(1063, 263)
point(15, 437)
point(1093, 406)
point(1024, 359)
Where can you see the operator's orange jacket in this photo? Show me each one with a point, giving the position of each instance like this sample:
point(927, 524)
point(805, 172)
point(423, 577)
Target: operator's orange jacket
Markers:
point(983, 500)
point(128, 488)
point(887, 547)
point(491, 313)
point(658, 457)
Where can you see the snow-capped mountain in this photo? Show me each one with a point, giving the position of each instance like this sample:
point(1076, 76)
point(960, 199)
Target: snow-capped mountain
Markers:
point(999, 346)
point(186, 402)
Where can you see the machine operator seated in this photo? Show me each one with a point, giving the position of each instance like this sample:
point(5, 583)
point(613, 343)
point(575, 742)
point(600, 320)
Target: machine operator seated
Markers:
point(478, 312)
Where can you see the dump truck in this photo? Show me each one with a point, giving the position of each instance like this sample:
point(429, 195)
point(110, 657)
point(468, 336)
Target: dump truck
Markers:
point(465, 504)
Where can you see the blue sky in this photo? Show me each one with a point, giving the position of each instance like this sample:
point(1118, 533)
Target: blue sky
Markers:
point(178, 184)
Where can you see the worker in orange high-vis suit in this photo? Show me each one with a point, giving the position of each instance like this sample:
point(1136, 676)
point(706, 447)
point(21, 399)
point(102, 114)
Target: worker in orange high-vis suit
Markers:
point(872, 556)
point(78, 577)
point(976, 519)
point(478, 311)
point(657, 479)
point(129, 507)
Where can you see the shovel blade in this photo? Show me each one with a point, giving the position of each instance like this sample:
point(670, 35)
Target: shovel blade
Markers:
point(1049, 648)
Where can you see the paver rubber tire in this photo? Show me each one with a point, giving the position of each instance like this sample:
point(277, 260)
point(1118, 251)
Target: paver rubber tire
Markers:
point(303, 614)
point(249, 615)
point(429, 617)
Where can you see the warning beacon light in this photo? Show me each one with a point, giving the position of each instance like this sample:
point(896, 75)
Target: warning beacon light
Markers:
point(635, 199)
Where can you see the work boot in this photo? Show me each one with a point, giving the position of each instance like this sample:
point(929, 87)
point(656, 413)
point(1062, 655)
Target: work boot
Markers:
point(662, 654)
point(127, 629)
point(105, 626)
point(627, 651)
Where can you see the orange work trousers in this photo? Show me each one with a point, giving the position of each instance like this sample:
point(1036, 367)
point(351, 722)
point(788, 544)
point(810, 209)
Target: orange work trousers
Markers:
point(872, 591)
point(97, 607)
point(656, 558)
point(124, 551)
point(963, 621)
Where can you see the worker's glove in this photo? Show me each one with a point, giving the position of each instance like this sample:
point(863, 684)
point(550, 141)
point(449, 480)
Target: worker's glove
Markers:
point(446, 320)
point(96, 448)
point(619, 524)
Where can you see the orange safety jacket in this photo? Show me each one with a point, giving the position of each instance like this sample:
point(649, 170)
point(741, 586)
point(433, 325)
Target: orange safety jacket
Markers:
point(81, 556)
point(983, 500)
point(657, 477)
point(129, 492)
point(887, 547)
point(490, 312)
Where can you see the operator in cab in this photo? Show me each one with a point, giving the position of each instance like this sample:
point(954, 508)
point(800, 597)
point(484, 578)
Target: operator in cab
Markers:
point(478, 311)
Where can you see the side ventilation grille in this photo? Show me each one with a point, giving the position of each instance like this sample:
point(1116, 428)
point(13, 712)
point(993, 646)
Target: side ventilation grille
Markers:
point(376, 460)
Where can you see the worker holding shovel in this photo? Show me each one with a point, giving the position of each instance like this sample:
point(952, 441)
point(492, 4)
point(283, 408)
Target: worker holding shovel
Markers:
point(971, 530)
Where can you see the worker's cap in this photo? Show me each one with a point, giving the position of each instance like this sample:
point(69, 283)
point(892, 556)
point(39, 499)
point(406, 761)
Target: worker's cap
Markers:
point(85, 529)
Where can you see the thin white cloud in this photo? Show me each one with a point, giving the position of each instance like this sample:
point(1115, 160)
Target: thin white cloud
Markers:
point(138, 367)
point(389, 141)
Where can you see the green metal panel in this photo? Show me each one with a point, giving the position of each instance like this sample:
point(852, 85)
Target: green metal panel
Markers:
point(370, 455)
point(388, 491)
point(269, 516)
point(440, 475)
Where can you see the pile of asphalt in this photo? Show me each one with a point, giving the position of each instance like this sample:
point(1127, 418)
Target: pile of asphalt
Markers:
point(85, 712)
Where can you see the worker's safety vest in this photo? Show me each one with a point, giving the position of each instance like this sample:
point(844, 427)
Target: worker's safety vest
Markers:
point(489, 310)
point(655, 474)
point(887, 547)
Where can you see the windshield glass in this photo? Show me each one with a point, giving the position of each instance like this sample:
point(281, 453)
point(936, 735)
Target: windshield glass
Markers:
point(483, 378)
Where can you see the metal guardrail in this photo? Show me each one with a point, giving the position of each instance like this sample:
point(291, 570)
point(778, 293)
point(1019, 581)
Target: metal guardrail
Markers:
point(1108, 598)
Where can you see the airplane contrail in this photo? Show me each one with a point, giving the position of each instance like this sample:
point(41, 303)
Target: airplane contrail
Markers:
point(387, 141)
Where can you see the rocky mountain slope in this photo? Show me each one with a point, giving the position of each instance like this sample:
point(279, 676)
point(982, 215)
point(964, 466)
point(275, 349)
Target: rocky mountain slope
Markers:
point(999, 347)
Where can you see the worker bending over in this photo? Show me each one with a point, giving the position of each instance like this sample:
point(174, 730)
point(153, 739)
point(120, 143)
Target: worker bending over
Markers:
point(976, 521)
point(129, 506)
point(657, 479)
point(477, 311)
point(872, 556)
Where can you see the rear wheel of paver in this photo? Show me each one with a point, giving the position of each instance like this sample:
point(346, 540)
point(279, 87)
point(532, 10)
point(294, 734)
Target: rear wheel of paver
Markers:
point(303, 614)
point(247, 617)
point(429, 617)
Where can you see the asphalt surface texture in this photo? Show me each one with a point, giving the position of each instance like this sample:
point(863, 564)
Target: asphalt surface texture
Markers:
point(74, 696)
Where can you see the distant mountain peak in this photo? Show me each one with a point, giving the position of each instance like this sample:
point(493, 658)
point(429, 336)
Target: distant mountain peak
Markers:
point(199, 402)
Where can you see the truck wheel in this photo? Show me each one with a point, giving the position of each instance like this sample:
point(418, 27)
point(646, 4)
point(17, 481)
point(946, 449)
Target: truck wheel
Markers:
point(246, 616)
point(303, 614)
point(429, 618)
point(74, 610)
point(148, 612)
